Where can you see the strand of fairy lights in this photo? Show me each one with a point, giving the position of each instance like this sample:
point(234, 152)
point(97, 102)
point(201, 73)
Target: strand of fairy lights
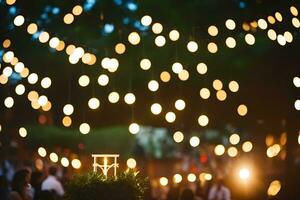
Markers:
point(19, 67)
point(19, 20)
point(136, 39)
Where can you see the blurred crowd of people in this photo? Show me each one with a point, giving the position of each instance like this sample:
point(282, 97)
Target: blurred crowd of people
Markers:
point(216, 191)
point(25, 184)
point(28, 185)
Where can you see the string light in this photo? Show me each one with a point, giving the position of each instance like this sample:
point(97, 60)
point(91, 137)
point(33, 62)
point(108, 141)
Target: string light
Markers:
point(68, 109)
point(194, 141)
point(219, 150)
point(6, 43)
point(213, 30)
point(165, 76)
point(19, 67)
point(19, 20)
point(278, 16)
point(42, 100)
point(272, 34)
point(146, 20)
point(204, 93)
point(170, 117)
point(217, 84)
point(233, 86)
point(184, 75)
point(134, 128)
point(230, 42)
point(177, 67)
point(191, 177)
point(103, 80)
point(145, 64)
point(8, 56)
point(288, 36)
point(230, 24)
point(202, 68)
point(113, 97)
point(9, 102)
point(174, 35)
point(53, 157)
point(67, 121)
point(296, 81)
point(46, 82)
point(177, 178)
point(84, 80)
point(32, 28)
point(94, 103)
point(69, 18)
point(20, 89)
point(131, 163)
point(234, 139)
point(178, 136)
point(120, 48)
point(10, 2)
point(42, 151)
point(247, 146)
point(44, 37)
point(76, 164)
point(212, 47)
point(250, 39)
point(192, 46)
point(156, 108)
point(221, 95)
point(180, 104)
point(163, 181)
point(232, 151)
point(203, 120)
point(157, 28)
point(297, 104)
point(134, 38)
point(22, 132)
point(64, 162)
point(32, 78)
point(160, 41)
point(77, 10)
point(129, 98)
point(262, 24)
point(7, 71)
point(274, 188)
point(84, 128)
point(242, 110)
point(153, 85)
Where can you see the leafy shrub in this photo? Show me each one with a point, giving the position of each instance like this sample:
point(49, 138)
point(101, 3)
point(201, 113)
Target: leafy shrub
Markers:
point(128, 185)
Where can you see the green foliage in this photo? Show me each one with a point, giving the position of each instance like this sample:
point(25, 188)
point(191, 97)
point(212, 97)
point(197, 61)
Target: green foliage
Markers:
point(128, 185)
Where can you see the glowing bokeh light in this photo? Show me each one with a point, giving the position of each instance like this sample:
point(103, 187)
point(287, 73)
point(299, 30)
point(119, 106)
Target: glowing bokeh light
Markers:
point(153, 85)
point(204, 93)
point(174, 35)
point(219, 150)
point(156, 108)
point(247, 146)
point(9, 102)
point(234, 139)
point(170, 117)
point(178, 136)
point(113, 97)
point(194, 141)
point(203, 120)
point(84, 128)
point(131, 163)
point(94, 103)
point(242, 110)
point(134, 128)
